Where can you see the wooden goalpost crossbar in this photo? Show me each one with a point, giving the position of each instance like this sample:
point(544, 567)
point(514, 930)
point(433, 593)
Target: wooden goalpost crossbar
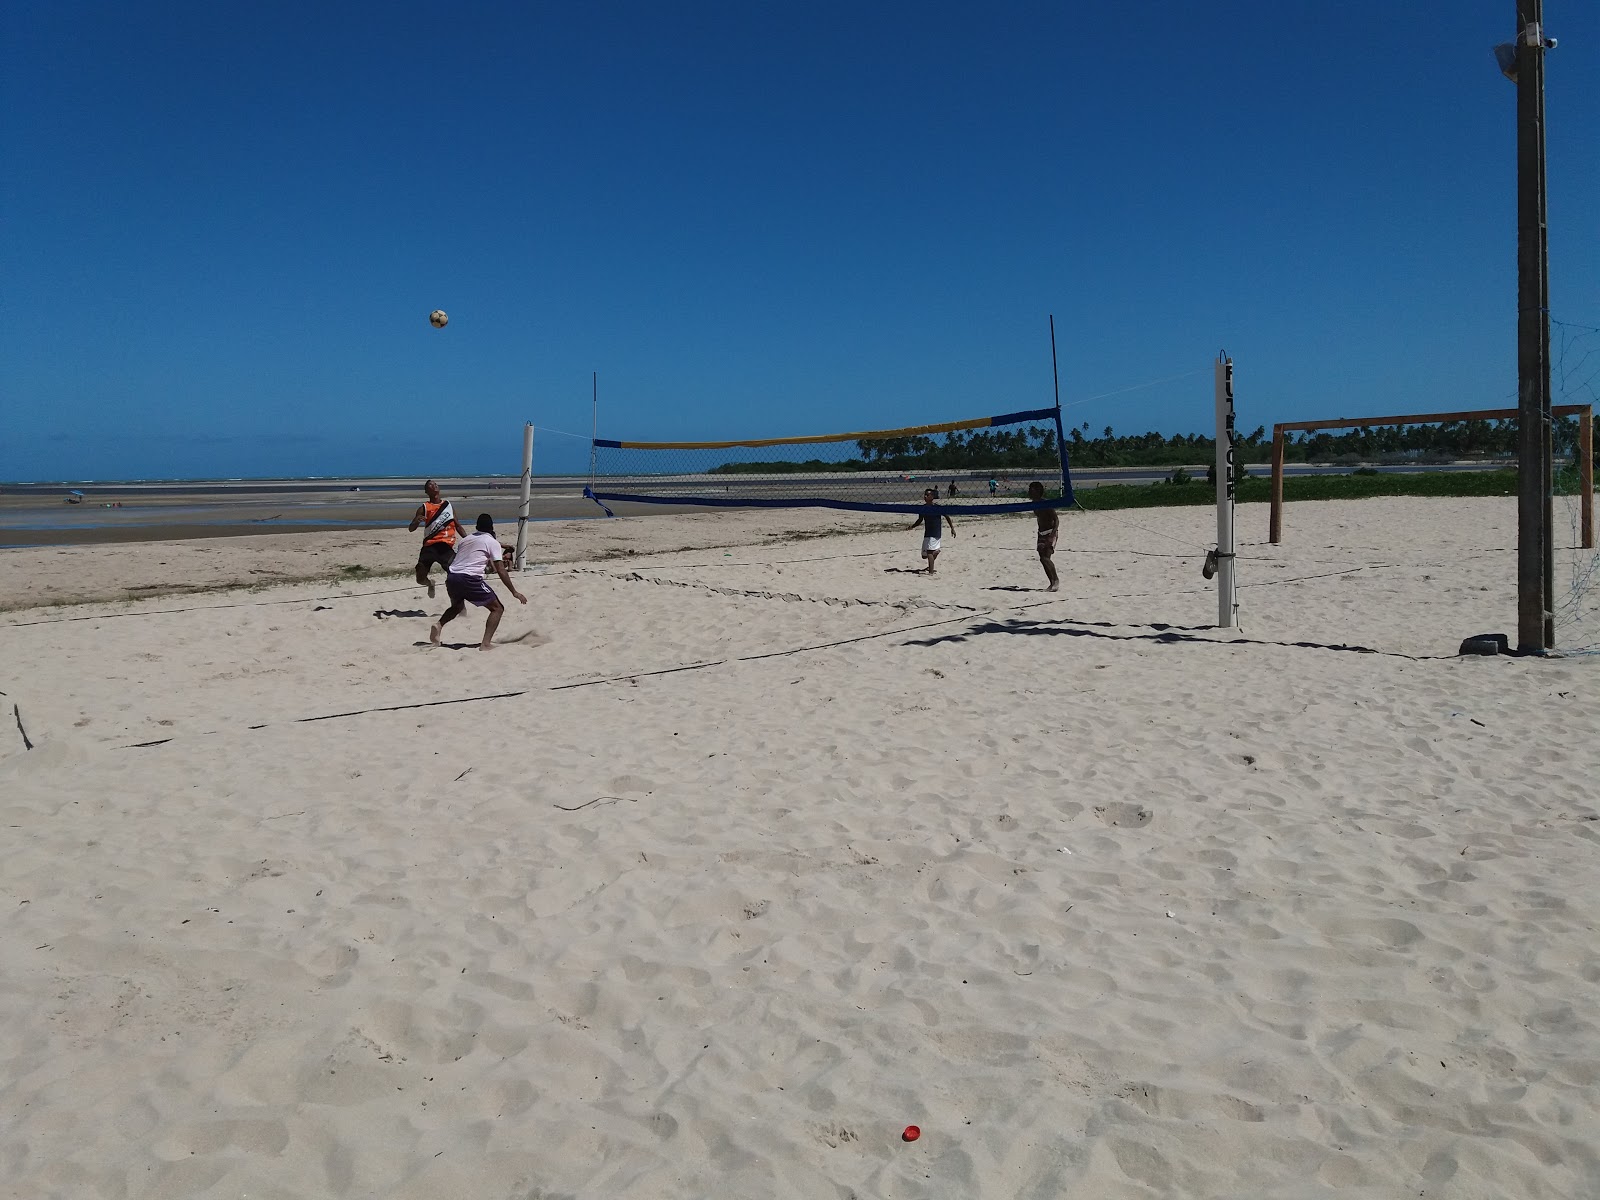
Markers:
point(1583, 412)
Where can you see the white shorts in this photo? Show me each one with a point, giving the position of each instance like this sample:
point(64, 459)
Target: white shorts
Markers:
point(930, 545)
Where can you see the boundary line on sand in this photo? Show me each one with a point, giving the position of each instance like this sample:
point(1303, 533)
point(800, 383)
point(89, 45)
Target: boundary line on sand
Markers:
point(161, 612)
point(1163, 634)
point(561, 687)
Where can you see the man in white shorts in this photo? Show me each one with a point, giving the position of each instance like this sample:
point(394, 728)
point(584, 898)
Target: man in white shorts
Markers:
point(465, 581)
point(932, 518)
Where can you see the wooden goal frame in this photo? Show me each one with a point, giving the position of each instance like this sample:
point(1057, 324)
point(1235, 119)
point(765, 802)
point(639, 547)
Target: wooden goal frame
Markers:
point(1583, 412)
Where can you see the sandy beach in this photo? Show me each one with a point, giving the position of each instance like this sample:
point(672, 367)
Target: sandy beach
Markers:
point(748, 847)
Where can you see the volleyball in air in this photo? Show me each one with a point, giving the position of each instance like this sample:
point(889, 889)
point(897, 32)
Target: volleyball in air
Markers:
point(438, 318)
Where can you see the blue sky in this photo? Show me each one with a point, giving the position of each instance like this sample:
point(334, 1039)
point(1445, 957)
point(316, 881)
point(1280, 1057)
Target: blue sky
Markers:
point(222, 227)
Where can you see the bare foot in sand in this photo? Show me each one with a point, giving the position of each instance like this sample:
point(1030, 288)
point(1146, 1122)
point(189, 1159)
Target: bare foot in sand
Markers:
point(486, 646)
point(1054, 587)
point(430, 589)
point(435, 633)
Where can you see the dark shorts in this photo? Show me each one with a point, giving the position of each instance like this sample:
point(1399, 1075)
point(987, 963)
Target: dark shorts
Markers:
point(442, 553)
point(461, 588)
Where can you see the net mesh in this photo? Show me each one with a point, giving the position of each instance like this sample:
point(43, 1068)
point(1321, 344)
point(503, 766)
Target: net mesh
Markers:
point(981, 465)
point(1574, 379)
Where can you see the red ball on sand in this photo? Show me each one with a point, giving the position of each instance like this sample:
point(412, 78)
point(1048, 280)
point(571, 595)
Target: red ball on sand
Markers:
point(911, 1134)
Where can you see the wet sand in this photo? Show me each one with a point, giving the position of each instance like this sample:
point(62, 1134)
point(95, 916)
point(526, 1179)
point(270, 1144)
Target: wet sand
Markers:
point(134, 568)
point(37, 515)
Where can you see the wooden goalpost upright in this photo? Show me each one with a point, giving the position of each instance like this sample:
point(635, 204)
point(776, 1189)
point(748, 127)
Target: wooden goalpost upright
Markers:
point(1583, 412)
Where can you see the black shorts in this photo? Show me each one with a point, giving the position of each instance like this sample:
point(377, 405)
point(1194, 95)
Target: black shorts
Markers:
point(442, 553)
point(462, 588)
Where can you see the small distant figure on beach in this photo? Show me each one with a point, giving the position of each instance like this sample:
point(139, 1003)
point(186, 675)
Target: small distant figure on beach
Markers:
point(439, 532)
point(1049, 527)
point(464, 580)
point(994, 486)
point(953, 492)
point(933, 519)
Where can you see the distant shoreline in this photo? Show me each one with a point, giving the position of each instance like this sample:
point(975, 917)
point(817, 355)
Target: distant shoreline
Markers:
point(36, 515)
point(274, 484)
point(309, 483)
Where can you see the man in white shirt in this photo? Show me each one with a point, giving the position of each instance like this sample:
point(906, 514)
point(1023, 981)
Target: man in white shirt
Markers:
point(465, 581)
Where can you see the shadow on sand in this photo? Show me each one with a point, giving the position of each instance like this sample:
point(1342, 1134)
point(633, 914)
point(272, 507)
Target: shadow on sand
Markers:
point(1160, 634)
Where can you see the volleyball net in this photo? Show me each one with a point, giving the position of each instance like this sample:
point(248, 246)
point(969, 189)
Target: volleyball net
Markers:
point(983, 465)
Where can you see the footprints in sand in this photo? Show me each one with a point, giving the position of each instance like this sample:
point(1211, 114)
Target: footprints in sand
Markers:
point(413, 1032)
point(1182, 1115)
point(268, 1137)
point(505, 985)
point(1389, 932)
point(834, 1135)
point(1182, 1105)
point(631, 785)
point(1124, 815)
point(332, 964)
point(531, 637)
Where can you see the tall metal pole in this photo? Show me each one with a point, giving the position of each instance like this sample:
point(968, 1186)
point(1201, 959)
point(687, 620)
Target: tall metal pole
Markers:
point(1275, 517)
point(527, 495)
point(1227, 596)
point(1061, 432)
point(1535, 504)
point(1586, 476)
point(594, 431)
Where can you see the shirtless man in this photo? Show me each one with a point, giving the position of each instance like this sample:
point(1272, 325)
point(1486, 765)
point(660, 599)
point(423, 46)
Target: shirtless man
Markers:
point(440, 530)
point(1049, 526)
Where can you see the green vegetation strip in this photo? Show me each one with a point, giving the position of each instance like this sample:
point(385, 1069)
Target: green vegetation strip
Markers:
point(1258, 489)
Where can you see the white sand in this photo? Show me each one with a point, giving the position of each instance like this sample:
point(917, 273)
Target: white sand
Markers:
point(1110, 903)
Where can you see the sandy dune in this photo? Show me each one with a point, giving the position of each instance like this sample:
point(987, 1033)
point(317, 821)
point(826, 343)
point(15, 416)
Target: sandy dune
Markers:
point(747, 849)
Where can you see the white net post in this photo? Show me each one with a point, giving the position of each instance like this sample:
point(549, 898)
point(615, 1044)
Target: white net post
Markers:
point(521, 556)
point(1227, 597)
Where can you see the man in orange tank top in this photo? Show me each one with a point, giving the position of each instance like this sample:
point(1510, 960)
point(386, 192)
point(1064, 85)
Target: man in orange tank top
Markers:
point(440, 529)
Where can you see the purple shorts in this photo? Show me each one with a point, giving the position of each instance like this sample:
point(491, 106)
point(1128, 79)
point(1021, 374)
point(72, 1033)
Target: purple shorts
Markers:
point(461, 588)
